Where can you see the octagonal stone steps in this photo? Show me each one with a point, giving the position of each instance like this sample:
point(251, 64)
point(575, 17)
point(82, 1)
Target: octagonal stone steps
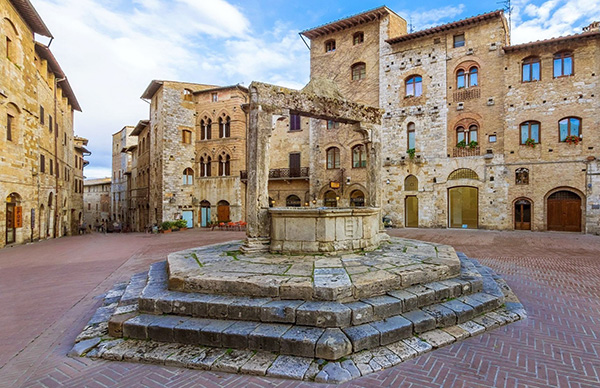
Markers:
point(120, 302)
point(157, 299)
point(327, 330)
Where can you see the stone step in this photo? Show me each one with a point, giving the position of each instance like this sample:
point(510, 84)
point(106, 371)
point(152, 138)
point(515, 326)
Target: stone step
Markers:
point(308, 336)
point(157, 299)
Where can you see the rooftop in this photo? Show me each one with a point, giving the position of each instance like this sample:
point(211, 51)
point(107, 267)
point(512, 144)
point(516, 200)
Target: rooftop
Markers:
point(348, 22)
point(96, 181)
point(31, 17)
point(560, 39)
point(157, 84)
point(446, 27)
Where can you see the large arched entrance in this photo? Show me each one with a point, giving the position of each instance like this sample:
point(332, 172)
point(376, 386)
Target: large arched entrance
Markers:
point(463, 207)
point(564, 211)
point(14, 217)
point(204, 213)
point(523, 214)
point(223, 211)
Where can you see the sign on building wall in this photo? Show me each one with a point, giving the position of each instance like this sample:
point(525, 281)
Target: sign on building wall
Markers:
point(334, 185)
point(18, 216)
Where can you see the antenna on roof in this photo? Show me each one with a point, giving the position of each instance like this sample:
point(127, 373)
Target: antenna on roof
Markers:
point(411, 27)
point(508, 8)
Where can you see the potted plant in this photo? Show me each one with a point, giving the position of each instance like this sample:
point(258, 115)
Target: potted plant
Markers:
point(166, 226)
point(411, 153)
point(473, 144)
point(461, 144)
point(530, 143)
point(181, 224)
point(572, 139)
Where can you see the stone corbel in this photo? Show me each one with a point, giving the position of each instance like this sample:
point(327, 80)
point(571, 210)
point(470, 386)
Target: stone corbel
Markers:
point(365, 131)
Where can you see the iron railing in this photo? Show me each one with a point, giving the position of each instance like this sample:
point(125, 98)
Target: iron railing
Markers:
point(283, 173)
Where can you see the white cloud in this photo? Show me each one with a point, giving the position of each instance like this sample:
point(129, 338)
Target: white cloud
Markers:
point(423, 19)
point(551, 18)
point(111, 50)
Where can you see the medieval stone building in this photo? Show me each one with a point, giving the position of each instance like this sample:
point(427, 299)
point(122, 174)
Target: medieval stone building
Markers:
point(477, 133)
point(96, 201)
point(42, 161)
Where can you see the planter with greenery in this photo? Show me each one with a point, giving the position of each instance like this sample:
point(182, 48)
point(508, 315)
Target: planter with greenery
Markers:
point(461, 144)
point(530, 143)
point(166, 226)
point(181, 224)
point(473, 144)
point(411, 153)
point(572, 139)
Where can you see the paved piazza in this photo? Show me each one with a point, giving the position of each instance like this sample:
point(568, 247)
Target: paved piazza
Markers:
point(49, 290)
point(223, 269)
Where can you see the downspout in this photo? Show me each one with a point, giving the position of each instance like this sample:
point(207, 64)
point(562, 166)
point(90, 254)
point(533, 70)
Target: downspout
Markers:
point(55, 167)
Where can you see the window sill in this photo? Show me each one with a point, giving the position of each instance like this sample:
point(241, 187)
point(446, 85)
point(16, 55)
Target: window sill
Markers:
point(357, 168)
point(532, 81)
point(294, 130)
point(564, 76)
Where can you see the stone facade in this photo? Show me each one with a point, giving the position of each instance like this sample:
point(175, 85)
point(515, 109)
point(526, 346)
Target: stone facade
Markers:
point(96, 198)
point(41, 168)
point(492, 99)
point(121, 164)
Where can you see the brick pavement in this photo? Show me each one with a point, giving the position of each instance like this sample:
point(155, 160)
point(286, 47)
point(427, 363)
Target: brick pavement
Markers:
point(555, 276)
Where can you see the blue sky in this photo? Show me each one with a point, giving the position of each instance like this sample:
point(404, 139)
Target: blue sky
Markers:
point(112, 49)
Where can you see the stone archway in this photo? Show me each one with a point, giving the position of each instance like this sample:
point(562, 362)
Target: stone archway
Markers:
point(563, 211)
point(14, 217)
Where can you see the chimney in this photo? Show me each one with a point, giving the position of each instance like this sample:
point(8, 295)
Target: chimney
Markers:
point(594, 27)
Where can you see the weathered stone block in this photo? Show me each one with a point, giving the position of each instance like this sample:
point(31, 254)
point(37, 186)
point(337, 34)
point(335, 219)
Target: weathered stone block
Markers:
point(236, 335)
point(289, 367)
point(409, 300)
point(421, 320)
point(267, 336)
point(443, 315)
point(247, 309)
point(137, 327)
point(384, 306)
point(323, 314)
point(362, 337)
point(333, 345)
point(115, 324)
point(361, 312)
point(211, 333)
point(161, 329)
point(393, 329)
point(300, 341)
point(188, 332)
point(280, 311)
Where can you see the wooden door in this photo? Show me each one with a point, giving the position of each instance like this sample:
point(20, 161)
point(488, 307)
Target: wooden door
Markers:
point(523, 215)
point(564, 212)
point(295, 165)
point(412, 212)
point(188, 216)
point(10, 223)
point(223, 211)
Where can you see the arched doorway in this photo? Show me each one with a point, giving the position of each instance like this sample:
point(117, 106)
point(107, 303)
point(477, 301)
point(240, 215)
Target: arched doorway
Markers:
point(293, 201)
point(564, 211)
point(523, 214)
point(463, 207)
point(42, 225)
point(330, 199)
point(204, 213)
point(357, 198)
point(411, 204)
point(223, 211)
point(14, 217)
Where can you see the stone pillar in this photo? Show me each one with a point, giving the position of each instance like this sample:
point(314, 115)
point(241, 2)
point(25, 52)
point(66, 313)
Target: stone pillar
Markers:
point(257, 189)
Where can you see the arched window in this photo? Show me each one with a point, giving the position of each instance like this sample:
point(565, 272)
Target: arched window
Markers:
point(330, 199)
point(333, 158)
point(461, 79)
point(357, 198)
point(205, 128)
point(530, 132)
point(411, 183)
point(330, 45)
point(414, 86)
point(569, 126)
point(464, 136)
point(205, 166)
point(359, 156)
point(224, 126)
point(359, 71)
point(358, 38)
point(224, 165)
point(463, 173)
point(411, 136)
point(188, 176)
point(293, 201)
point(531, 69)
point(563, 64)
point(11, 33)
point(522, 176)
point(186, 138)
point(473, 80)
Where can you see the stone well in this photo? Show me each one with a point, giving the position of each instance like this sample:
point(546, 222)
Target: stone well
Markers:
point(314, 230)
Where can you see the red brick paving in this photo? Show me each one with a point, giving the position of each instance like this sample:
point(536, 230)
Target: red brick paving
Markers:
point(48, 290)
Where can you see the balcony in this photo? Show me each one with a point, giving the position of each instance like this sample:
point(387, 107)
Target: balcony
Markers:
point(466, 94)
point(282, 173)
point(459, 152)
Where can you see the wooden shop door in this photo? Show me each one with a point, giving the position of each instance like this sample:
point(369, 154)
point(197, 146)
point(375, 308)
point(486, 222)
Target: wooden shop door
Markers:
point(564, 212)
point(523, 215)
